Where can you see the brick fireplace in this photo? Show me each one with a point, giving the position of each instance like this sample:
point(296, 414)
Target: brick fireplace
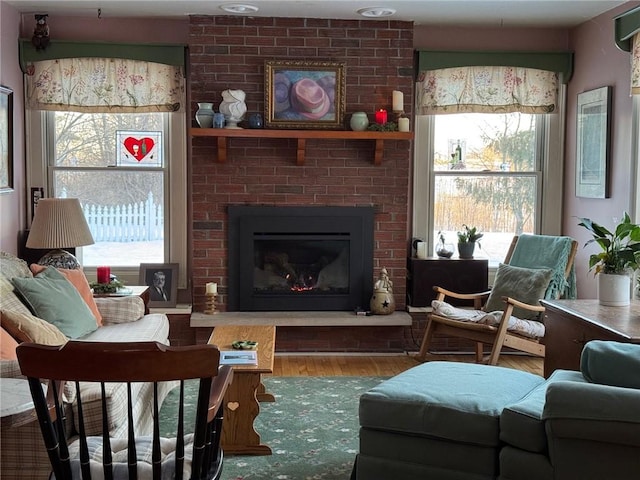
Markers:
point(229, 52)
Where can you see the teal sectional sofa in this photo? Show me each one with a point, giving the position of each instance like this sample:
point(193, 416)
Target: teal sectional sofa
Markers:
point(456, 421)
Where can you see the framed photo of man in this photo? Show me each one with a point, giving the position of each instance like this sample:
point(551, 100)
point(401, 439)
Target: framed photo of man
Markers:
point(162, 280)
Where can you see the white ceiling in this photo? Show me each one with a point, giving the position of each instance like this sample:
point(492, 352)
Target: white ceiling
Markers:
point(507, 13)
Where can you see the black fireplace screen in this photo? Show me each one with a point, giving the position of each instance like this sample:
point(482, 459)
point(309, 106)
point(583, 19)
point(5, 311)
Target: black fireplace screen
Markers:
point(300, 258)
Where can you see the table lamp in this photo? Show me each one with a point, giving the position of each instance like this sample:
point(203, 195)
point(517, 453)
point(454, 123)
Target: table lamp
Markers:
point(59, 223)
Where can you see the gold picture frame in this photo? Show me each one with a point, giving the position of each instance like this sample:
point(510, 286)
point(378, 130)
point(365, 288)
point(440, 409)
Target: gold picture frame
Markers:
point(304, 94)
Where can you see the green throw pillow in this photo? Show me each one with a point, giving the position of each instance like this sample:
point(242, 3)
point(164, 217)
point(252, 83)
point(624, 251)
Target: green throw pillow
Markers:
point(50, 296)
point(527, 285)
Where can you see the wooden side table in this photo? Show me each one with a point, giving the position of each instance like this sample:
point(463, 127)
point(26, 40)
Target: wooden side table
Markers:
point(570, 324)
point(455, 274)
point(241, 405)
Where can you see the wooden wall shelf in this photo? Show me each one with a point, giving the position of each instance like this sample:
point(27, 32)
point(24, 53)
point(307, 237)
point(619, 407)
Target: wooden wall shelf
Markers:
point(222, 134)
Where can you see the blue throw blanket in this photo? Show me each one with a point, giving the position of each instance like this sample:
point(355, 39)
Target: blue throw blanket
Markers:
point(545, 251)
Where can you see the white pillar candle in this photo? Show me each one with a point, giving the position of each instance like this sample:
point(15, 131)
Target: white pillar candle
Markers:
point(403, 124)
point(398, 101)
point(212, 287)
point(421, 250)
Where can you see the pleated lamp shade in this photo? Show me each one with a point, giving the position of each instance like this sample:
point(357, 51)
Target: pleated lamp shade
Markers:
point(59, 223)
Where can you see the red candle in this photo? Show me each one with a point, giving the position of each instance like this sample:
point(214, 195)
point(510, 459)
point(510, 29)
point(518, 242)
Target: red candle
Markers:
point(381, 117)
point(104, 274)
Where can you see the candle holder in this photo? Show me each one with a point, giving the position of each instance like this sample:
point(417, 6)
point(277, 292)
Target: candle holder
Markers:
point(211, 304)
point(398, 114)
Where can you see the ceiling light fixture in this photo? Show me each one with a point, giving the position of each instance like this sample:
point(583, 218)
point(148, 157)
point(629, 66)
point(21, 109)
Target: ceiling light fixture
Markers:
point(376, 12)
point(239, 8)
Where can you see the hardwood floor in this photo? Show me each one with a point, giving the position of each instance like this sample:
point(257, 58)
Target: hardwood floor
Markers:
point(378, 365)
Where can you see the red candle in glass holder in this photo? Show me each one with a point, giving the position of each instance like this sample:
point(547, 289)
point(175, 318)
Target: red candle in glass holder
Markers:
point(381, 117)
point(104, 274)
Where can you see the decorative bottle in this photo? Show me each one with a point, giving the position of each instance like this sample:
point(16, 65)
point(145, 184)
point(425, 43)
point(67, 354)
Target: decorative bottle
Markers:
point(204, 115)
point(359, 121)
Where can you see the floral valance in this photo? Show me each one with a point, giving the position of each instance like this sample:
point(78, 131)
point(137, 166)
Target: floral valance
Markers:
point(635, 65)
point(114, 85)
point(487, 89)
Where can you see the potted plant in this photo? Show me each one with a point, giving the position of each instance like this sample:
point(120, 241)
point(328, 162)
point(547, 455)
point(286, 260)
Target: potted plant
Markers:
point(618, 259)
point(467, 240)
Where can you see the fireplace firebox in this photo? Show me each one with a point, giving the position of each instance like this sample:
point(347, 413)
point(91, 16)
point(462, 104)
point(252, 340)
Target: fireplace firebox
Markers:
point(300, 258)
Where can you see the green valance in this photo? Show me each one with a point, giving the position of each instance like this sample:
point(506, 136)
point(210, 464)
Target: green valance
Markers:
point(560, 62)
point(626, 26)
point(157, 53)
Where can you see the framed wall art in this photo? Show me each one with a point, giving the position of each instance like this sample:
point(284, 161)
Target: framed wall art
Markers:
point(6, 140)
point(139, 149)
point(304, 95)
point(593, 143)
point(162, 280)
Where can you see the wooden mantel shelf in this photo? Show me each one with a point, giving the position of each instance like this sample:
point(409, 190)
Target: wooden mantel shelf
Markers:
point(222, 134)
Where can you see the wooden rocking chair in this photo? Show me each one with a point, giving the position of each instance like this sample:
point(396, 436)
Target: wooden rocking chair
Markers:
point(532, 252)
point(196, 456)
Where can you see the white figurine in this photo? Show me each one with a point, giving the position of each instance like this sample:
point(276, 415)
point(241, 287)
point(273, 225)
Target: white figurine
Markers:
point(233, 107)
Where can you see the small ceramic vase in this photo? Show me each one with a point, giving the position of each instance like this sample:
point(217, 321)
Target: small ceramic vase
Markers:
point(255, 120)
point(218, 120)
point(359, 122)
point(204, 115)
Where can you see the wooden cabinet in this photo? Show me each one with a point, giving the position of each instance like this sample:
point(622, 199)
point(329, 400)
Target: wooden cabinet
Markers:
point(223, 134)
point(455, 274)
point(570, 324)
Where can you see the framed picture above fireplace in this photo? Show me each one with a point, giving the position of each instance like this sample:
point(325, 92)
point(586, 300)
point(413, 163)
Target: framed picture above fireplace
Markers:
point(300, 94)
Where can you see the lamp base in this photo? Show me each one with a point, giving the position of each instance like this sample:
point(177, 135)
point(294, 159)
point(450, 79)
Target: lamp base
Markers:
point(60, 259)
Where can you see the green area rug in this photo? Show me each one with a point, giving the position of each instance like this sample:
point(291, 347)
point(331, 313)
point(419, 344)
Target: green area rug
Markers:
point(312, 428)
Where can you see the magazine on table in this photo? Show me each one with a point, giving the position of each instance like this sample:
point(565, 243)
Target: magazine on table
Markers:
point(238, 357)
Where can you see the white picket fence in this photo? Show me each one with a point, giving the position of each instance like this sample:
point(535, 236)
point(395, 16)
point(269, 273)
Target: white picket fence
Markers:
point(133, 222)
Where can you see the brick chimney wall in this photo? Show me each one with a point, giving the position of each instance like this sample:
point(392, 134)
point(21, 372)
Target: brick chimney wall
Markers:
point(229, 52)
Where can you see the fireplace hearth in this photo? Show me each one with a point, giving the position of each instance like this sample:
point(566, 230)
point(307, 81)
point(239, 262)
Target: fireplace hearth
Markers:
point(300, 258)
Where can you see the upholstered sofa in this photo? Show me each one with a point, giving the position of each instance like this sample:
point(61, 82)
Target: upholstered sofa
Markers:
point(454, 421)
point(23, 454)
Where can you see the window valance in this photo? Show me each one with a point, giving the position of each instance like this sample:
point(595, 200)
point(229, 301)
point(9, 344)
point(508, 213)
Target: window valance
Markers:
point(559, 62)
point(626, 26)
point(487, 90)
point(168, 54)
point(94, 85)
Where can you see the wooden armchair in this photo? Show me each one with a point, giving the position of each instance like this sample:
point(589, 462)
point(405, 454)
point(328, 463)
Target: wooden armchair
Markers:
point(536, 266)
point(195, 456)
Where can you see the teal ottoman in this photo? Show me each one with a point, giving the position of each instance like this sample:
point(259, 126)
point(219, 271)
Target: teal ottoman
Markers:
point(439, 420)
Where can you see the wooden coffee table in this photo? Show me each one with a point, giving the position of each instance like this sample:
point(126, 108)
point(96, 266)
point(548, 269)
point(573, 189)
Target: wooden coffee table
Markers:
point(241, 402)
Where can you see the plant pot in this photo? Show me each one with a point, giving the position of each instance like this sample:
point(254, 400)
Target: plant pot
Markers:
point(465, 250)
point(614, 290)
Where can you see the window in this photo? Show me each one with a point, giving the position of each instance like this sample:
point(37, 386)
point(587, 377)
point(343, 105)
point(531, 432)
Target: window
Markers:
point(115, 164)
point(77, 163)
point(486, 173)
point(505, 178)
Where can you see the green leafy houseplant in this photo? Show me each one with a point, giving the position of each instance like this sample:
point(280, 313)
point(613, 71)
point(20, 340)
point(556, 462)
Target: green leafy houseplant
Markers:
point(620, 249)
point(469, 235)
